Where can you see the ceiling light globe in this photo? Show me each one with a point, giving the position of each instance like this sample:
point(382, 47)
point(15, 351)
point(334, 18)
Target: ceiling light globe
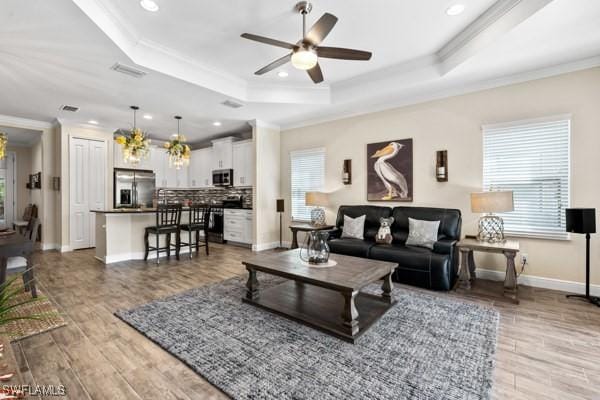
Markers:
point(455, 9)
point(149, 5)
point(304, 59)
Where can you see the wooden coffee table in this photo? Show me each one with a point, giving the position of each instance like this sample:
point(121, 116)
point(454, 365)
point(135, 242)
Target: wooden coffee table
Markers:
point(325, 298)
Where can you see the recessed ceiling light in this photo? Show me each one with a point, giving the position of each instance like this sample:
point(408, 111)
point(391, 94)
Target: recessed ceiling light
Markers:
point(282, 74)
point(93, 122)
point(147, 116)
point(217, 123)
point(455, 9)
point(149, 5)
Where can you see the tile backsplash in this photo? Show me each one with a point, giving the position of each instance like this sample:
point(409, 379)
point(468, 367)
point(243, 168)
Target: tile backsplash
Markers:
point(207, 195)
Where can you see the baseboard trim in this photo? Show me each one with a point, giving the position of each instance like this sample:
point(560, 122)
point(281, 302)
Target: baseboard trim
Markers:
point(64, 249)
point(50, 246)
point(541, 282)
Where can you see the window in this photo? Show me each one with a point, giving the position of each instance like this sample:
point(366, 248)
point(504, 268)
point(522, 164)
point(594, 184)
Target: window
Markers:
point(531, 158)
point(308, 175)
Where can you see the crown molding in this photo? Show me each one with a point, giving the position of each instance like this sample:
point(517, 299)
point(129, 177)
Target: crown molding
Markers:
point(17, 122)
point(457, 89)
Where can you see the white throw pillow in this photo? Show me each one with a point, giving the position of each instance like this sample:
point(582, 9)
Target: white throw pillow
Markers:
point(422, 233)
point(354, 228)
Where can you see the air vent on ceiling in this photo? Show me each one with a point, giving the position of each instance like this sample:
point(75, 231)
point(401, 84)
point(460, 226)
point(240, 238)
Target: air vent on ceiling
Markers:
point(231, 104)
point(69, 108)
point(127, 70)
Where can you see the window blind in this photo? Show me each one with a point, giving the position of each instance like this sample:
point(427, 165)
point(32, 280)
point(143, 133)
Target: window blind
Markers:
point(532, 160)
point(308, 175)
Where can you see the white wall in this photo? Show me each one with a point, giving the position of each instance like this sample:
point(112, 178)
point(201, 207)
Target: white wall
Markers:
point(454, 124)
point(266, 140)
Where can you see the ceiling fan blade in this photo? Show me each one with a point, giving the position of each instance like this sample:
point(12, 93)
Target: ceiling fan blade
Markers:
point(321, 29)
point(277, 63)
point(266, 40)
point(315, 74)
point(343, 54)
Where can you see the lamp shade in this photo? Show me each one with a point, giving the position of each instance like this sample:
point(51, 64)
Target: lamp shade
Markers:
point(318, 199)
point(492, 202)
point(581, 220)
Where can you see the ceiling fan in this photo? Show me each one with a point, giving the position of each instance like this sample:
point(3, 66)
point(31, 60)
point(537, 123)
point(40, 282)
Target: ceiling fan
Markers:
point(306, 52)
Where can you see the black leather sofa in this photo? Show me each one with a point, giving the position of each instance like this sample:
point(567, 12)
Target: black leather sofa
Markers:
point(433, 269)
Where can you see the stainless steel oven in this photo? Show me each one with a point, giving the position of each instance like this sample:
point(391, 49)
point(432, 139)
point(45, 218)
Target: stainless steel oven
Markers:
point(222, 177)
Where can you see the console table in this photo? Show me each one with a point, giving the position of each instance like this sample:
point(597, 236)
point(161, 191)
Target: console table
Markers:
point(305, 227)
point(508, 248)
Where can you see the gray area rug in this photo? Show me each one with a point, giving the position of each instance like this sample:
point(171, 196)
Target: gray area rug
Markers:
point(426, 347)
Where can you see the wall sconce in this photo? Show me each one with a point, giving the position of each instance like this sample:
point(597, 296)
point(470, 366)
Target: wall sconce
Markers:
point(347, 172)
point(441, 166)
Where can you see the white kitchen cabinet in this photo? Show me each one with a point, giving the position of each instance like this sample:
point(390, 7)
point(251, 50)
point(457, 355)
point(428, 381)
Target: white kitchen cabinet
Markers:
point(181, 176)
point(170, 174)
point(222, 153)
point(243, 163)
point(194, 170)
point(237, 225)
point(200, 173)
point(158, 160)
point(166, 176)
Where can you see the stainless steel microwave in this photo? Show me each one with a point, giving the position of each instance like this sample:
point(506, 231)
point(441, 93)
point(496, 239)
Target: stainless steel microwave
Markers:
point(222, 177)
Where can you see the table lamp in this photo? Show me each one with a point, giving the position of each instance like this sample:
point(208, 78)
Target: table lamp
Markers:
point(317, 200)
point(491, 226)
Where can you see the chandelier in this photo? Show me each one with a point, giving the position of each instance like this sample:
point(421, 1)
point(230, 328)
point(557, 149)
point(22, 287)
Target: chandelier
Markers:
point(136, 145)
point(3, 143)
point(179, 152)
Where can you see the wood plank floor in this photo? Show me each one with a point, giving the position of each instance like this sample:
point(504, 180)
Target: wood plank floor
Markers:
point(548, 346)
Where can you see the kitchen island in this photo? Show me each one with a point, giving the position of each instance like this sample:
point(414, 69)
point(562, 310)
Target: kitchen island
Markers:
point(120, 232)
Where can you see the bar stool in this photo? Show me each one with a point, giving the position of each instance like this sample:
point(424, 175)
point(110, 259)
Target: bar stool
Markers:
point(198, 221)
point(168, 219)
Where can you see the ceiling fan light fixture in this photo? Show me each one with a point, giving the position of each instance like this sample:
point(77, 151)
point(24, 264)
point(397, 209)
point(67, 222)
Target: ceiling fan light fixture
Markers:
point(455, 9)
point(304, 59)
point(149, 5)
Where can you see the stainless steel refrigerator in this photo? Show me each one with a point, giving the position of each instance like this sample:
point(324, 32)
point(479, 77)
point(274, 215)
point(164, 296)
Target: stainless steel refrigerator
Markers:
point(133, 188)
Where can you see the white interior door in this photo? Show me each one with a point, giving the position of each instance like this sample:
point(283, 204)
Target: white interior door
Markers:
point(87, 188)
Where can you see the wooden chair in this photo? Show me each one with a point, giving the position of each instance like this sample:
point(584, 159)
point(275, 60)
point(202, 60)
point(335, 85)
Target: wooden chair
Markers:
point(23, 264)
point(29, 213)
point(168, 219)
point(199, 216)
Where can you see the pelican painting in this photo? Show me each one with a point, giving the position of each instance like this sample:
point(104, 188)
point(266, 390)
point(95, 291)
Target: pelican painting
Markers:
point(390, 171)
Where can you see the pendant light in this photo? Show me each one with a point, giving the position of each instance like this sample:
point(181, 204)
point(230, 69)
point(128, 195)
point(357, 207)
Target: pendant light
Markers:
point(3, 143)
point(136, 145)
point(179, 152)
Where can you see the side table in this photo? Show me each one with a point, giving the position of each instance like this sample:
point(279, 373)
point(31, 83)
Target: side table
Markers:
point(508, 248)
point(305, 227)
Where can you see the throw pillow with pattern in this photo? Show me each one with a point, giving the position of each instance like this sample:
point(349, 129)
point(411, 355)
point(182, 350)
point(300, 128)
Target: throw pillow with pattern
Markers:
point(422, 233)
point(354, 228)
